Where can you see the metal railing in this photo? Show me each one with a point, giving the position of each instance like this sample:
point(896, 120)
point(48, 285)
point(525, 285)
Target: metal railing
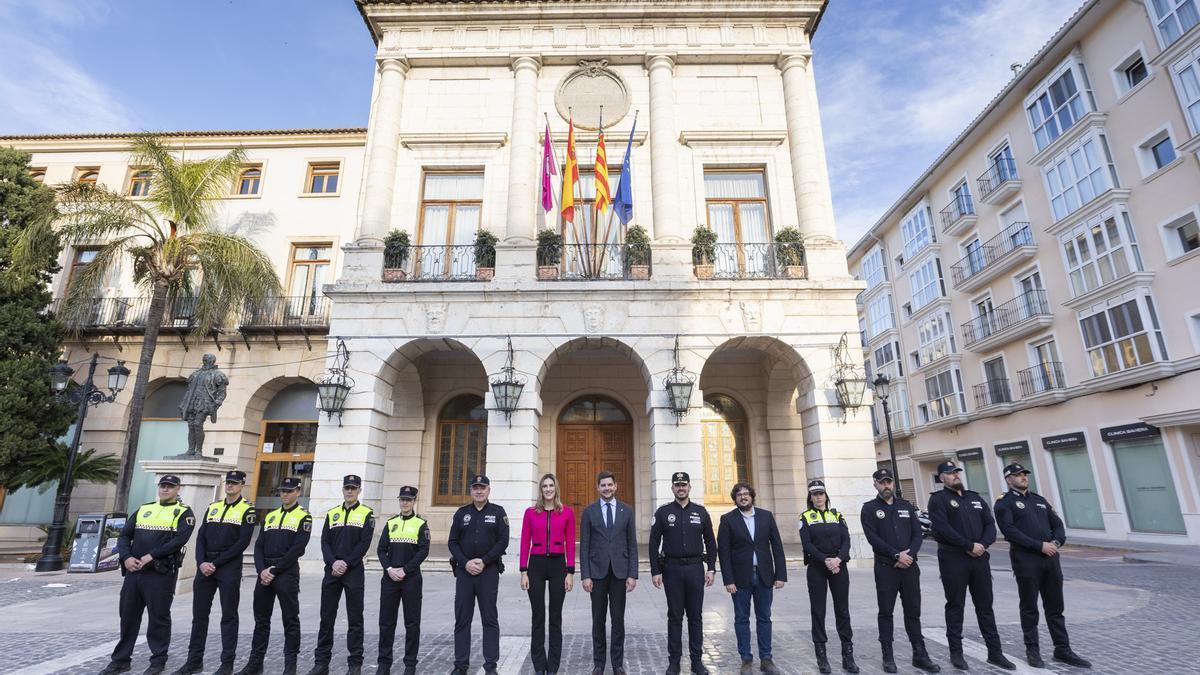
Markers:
point(1041, 378)
point(1010, 238)
point(126, 314)
point(1024, 306)
point(1000, 172)
point(602, 261)
point(432, 263)
point(958, 207)
point(769, 260)
point(992, 392)
point(310, 311)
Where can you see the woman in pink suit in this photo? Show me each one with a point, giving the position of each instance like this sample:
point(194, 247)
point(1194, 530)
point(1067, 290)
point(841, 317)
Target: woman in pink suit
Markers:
point(547, 557)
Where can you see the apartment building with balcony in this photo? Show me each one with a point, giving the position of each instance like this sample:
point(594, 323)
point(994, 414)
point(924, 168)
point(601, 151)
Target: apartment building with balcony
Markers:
point(1030, 296)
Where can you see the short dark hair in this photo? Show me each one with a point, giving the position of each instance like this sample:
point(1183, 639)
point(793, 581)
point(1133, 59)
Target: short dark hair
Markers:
point(738, 487)
point(605, 474)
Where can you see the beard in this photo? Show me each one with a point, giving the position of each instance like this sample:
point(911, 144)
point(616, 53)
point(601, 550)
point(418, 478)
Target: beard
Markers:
point(887, 493)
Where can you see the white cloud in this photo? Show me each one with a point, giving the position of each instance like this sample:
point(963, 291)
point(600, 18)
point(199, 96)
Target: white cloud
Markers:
point(900, 84)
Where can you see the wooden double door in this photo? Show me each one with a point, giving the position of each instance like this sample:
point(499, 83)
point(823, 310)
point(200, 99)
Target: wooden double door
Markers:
point(585, 450)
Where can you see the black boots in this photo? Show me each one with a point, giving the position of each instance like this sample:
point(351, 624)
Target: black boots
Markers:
point(1034, 656)
point(998, 659)
point(822, 657)
point(921, 659)
point(1070, 658)
point(848, 663)
point(958, 660)
point(889, 658)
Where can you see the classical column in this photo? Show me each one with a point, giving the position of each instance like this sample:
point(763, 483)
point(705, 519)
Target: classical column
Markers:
point(381, 154)
point(523, 150)
point(810, 177)
point(664, 162)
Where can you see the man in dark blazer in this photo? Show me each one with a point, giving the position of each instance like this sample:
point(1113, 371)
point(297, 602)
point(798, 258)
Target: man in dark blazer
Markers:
point(608, 553)
point(750, 551)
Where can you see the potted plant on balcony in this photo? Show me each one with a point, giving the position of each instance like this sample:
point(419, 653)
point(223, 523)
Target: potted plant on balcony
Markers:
point(549, 252)
point(485, 254)
point(789, 253)
point(704, 252)
point(637, 244)
point(396, 250)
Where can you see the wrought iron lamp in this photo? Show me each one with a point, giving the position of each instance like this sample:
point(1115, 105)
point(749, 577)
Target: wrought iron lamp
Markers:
point(507, 387)
point(679, 384)
point(333, 389)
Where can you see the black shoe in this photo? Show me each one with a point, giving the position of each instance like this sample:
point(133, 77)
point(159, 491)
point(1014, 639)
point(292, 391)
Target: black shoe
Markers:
point(822, 657)
point(921, 660)
point(747, 667)
point(700, 669)
point(319, 669)
point(1071, 658)
point(617, 670)
point(599, 670)
point(190, 667)
point(224, 669)
point(672, 669)
point(251, 668)
point(354, 670)
point(768, 666)
point(848, 663)
point(889, 657)
point(289, 666)
point(154, 669)
point(1034, 657)
point(383, 670)
point(410, 670)
point(959, 661)
point(458, 671)
point(999, 660)
point(114, 668)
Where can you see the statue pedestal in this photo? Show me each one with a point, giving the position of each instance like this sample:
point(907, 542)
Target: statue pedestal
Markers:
point(200, 485)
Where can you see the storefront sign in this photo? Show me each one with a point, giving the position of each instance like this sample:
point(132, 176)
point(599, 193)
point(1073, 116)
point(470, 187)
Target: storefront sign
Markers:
point(1071, 440)
point(971, 453)
point(1127, 432)
point(1014, 448)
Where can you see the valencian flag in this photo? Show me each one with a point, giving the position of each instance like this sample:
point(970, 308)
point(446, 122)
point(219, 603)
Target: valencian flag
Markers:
point(570, 176)
point(603, 198)
point(623, 199)
point(547, 171)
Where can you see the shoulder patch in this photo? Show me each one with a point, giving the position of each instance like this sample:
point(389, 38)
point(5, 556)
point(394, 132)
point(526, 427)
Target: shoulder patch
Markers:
point(307, 526)
point(250, 518)
point(190, 521)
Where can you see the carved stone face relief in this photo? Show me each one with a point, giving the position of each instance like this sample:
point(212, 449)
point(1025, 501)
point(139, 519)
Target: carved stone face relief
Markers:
point(593, 318)
point(751, 316)
point(584, 90)
point(435, 319)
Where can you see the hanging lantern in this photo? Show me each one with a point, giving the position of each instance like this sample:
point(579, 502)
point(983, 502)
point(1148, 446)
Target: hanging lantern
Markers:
point(679, 384)
point(333, 389)
point(507, 387)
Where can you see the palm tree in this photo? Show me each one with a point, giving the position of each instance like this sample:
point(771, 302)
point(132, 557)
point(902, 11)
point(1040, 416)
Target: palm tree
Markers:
point(175, 248)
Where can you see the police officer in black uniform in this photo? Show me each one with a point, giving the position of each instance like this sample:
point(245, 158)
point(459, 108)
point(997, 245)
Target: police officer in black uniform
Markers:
point(891, 527)
point(681, 544)
point(826, 542)
point(1035, 533)
point(478, 540)
point(403, 546)
point(282, 537)
point(224, 535)
point(150, 549)
point(964, 528)
point(345, 539)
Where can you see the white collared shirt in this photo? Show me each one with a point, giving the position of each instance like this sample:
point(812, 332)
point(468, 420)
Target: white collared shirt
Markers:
point(749, 518)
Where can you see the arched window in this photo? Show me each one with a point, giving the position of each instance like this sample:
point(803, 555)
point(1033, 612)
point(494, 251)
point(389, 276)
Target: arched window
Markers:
point(249, 180)
point(139, 183)
point(461, 448)
point(593, 409)
point(723, 442)
point(88, 176)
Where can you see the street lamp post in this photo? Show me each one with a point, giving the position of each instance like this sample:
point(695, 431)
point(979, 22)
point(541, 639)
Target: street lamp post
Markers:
point(60, 376)
point(883, 389)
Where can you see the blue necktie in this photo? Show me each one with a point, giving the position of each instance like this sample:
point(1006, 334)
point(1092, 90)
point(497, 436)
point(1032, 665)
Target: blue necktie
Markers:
point(608, 521)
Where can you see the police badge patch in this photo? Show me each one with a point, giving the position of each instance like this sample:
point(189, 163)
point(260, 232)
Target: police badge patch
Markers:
point(954, 503)
point(671, 518)
point(1020, 505)
point(880, 514)
point(466, 518)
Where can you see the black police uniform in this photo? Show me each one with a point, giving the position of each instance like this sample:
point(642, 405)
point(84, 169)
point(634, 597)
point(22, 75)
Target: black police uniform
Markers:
point(399, 548)
point(681, 545)
point(824, 534)
point(960, 520)
point(891, 529)
point(477, 533)
point(1028, 521)
point(346, 537)
point(224, 536)
point(279, 547)
point(151, 588)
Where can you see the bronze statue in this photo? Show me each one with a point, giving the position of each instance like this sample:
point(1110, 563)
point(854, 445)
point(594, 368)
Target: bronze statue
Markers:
point(205, 394)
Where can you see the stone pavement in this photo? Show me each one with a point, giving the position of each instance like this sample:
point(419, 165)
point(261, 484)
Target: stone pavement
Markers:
point(1126, 617)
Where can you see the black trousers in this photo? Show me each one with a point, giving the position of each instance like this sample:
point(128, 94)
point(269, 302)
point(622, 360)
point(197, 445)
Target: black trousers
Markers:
point(285, 588)
point(470, 590)
point(890, 581)
point(546, 570)
point(608, 598)
point(392, 595)
point(353, 584)
point(684, 585)
point(228, 580)
point(960, 573)
point(820, 579)
point(151, 592)
point(1040, 575)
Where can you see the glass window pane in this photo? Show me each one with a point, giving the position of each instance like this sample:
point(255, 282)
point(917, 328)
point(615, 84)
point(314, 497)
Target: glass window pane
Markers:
point(734, 184)
point(453, 186)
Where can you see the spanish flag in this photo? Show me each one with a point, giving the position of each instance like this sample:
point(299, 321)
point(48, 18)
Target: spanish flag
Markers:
point(570, 177)
point(603, 198)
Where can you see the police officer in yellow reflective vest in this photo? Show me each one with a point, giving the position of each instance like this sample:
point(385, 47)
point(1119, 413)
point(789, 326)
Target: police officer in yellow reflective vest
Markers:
point(151, 551)
point(344, 541)
point(403, 546)
point(281, 541)
point(225, 531)
point(826, 542)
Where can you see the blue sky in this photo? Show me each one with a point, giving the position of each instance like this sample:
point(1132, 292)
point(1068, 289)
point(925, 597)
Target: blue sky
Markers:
point(898, 80)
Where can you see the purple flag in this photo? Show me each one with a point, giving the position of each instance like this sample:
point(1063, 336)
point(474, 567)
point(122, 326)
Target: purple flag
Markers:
point(547, 171)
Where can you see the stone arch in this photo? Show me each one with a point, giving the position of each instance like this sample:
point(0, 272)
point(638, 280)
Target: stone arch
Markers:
point(596, 343)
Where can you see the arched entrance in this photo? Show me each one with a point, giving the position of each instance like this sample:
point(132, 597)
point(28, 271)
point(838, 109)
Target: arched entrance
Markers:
point(287, 445)
point(723, 441)
point(595, 433)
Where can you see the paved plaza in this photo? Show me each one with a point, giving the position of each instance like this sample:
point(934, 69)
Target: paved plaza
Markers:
point(1127, 617)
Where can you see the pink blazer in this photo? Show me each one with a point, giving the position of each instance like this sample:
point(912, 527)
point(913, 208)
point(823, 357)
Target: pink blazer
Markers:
point(561, 531)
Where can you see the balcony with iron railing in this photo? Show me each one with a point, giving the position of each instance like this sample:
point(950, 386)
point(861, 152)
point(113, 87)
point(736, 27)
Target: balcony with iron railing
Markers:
point(309, 312)
point(1044, 378)
point(1016, 318)
point(1013, 245)
point(770, 260)
point(604, 262)
point(434, 263)
point(992, 393)
point(999, 182)
point(958, 215)
point(126, 316)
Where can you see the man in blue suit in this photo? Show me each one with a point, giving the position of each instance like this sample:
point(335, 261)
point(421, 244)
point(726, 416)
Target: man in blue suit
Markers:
point(750, 551)
point(609, 568)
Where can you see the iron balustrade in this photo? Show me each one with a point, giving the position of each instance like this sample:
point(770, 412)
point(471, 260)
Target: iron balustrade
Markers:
point(958, 207)
point(1010, 238)
point(1023, 307)
point(1041, 378)
point(1000, 172)
point(757, 261)
point(309, 311)
point(992, 392)
point(598, 262)
point(433, 263)
point(126, 314)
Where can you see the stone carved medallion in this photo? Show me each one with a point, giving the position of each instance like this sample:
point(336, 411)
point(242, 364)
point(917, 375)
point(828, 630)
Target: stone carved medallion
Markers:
point(584, 90)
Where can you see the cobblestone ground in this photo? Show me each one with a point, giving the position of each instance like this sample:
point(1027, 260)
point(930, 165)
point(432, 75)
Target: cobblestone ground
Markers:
point(1125, 617)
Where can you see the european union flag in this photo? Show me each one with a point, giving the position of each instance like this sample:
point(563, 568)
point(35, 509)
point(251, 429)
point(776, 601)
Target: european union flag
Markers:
point(623, 199)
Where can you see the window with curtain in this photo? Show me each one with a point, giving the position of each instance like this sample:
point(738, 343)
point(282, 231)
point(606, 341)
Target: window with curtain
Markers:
point(1118, 338)
point(873, 270)
point(1187, 86)
point(926, 284)
point(880, 315)
point(916, 231)
point(1079, 175)
point(942, 396)
point(461, 449)
point(309, 272)
point(736, 202)
point(1098, 252)
point(1056, 107)
point(1174, 18)
point(323, 177)
point(451, 204)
